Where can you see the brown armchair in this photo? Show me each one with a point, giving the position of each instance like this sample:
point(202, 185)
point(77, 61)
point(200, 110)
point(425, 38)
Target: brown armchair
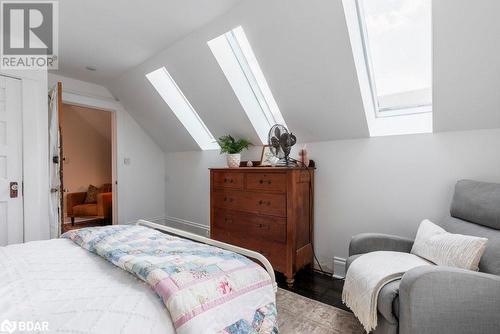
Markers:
point(101, 210)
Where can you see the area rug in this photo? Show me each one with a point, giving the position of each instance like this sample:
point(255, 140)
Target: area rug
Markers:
point(301, 315)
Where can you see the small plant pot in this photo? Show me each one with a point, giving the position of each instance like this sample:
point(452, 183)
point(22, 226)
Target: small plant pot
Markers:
point(233, 160)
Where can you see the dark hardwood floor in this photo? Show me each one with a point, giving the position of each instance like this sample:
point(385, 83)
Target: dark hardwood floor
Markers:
point(315, 285)
point(68, 227)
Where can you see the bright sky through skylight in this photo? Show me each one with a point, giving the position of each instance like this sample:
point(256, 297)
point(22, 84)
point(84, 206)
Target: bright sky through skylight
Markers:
point(399, 45)
point(242, 70)
point(173, 96)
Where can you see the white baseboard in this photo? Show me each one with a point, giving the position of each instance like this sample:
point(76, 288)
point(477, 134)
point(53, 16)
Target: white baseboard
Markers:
point(339, 267)
point(151, 219)
point(188, 225)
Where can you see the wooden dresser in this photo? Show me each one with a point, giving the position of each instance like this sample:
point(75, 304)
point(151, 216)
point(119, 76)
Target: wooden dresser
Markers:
point(265, 209)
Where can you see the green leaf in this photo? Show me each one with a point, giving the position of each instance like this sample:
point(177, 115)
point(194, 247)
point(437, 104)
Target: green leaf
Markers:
point(231, 146)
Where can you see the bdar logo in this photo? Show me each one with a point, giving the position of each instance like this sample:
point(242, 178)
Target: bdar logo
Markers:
point(8, 326)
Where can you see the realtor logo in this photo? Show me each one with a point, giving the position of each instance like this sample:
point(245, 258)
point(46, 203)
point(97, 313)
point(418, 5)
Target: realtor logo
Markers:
point(29, 33)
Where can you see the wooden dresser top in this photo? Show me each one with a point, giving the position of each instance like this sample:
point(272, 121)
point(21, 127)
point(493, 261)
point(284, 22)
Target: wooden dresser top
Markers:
point(260, 168)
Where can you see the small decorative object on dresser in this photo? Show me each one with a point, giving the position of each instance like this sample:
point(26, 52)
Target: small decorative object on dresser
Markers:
point(266, 209)
point(233, 149)
point(267, 158)
point(303, 157)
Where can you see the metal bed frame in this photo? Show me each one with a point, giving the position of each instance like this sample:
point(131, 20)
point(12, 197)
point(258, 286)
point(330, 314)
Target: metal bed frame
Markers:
point(191, 236)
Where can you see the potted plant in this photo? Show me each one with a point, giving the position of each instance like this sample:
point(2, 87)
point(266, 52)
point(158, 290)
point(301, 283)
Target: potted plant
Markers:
point(233, 149)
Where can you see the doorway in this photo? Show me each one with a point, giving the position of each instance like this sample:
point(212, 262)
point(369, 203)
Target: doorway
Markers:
point(87, 150)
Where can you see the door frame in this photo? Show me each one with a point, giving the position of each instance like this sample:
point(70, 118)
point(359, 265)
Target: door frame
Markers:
point(73, 99)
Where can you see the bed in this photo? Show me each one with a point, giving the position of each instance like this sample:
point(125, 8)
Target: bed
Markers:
point(76, 290)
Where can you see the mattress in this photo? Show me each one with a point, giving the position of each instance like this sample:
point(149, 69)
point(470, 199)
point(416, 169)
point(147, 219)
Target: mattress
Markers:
point(75, 291)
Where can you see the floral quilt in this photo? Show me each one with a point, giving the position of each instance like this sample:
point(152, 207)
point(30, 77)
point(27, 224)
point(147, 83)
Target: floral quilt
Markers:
point(205, 289)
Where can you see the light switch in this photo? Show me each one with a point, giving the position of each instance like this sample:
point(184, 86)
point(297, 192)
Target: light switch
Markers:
point(126, 161)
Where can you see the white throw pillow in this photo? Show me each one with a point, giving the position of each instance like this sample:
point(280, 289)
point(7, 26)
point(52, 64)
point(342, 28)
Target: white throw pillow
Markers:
point(433, 243)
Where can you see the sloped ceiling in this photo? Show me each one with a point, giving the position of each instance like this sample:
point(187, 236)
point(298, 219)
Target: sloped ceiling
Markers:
point(466, 40)
point(304, 51)
point(98, 120)
point(116, 35)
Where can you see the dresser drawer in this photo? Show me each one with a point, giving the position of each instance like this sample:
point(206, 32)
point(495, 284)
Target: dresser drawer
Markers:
point(260, 203)
point(228, 180)
point(274, 252)
point(268, 182)
point(258, 227)
point(218, 233)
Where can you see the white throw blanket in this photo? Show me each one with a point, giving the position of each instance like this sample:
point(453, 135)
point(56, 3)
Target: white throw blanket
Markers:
point(367, 275)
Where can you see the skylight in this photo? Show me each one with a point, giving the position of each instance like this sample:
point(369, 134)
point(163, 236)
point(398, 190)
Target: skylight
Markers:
point(391, 43)
point(396, 37)
point(183, 110)
point(241, 68)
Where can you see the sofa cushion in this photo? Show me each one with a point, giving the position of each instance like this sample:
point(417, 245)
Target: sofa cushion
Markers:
point(477, 202)
point(388, 301)
point(490, 261)
point(443, 248)
point(91, 196)
point(83, 210)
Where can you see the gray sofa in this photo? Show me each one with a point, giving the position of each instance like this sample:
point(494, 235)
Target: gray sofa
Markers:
point(435, 299)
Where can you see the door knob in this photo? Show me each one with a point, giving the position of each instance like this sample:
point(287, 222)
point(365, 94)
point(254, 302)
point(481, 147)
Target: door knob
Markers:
point(14, 187)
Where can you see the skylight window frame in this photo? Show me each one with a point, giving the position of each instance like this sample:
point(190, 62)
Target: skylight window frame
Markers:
point(198, 130)
point(247, 70)
point(241, 53)
point(365, 42)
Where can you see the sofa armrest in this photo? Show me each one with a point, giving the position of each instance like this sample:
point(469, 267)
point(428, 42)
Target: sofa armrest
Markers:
point(372, 242)
point(443, 300)
point(73, 199)
point(104, 204)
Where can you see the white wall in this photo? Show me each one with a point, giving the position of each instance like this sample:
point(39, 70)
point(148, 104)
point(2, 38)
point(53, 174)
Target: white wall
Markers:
point(188, 182)
point(384, 184)
point(390, 184)
point(141, 181)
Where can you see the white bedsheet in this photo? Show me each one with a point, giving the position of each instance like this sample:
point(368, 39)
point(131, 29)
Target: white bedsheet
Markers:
point(76, 291)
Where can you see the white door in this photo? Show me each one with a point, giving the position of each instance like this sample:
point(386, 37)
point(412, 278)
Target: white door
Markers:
point(11, 175)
